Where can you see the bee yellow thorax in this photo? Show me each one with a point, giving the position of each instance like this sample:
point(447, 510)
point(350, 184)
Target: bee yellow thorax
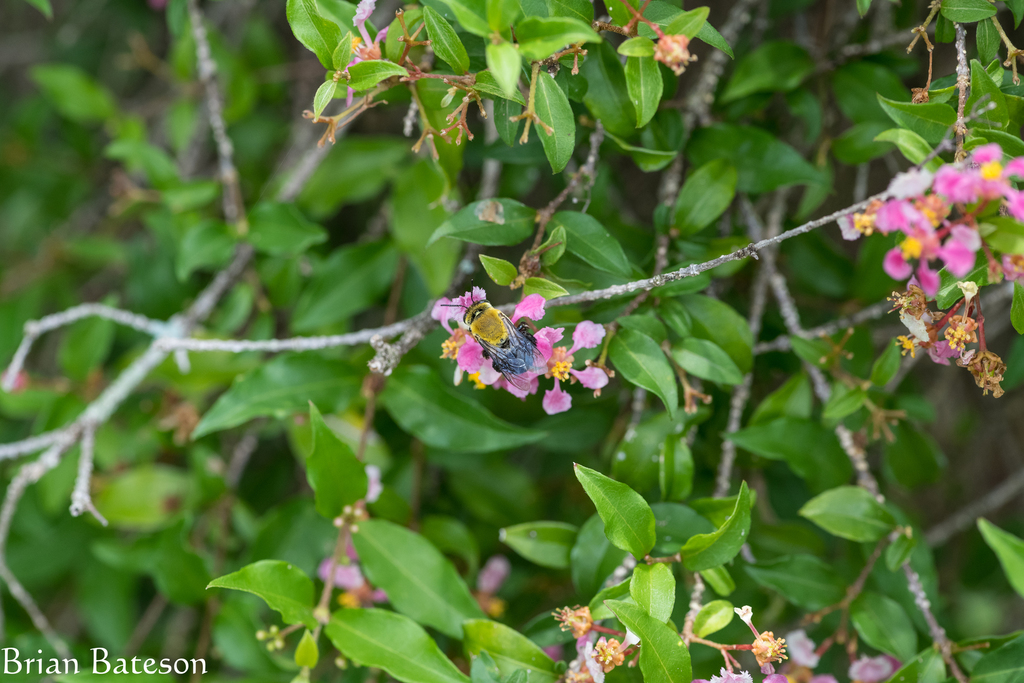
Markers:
point(993, 170)
point(911, 247)
point(486, 324)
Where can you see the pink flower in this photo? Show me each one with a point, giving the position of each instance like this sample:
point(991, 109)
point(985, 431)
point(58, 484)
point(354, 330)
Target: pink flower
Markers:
point(531, 307)
point(1014, 168)
point(556, 401)
point(929, 280)
point(346, 576)
point(443, 311)
point(493, 575)
point(363, 11)
point(957, 186)
point(894, 265)
point(899, 215)
point(1015, 201)
point(532, 385)
point(987, 154)
point(374, 487)
point(801, 649)
point(593, 666)
point(471, 356)
point(1013, 266)
point(941, 351)
point(587, 335)
point(958, 253)
point(592, 378)
point(730, 677)
point(910, 184)
point(554, 652)
point(546, 338)
point(847, 227)
point(824, 678)
point(775, 678)
point(873, 669)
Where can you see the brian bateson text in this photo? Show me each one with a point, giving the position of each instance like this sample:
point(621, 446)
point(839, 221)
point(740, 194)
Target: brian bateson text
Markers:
point(101, 664)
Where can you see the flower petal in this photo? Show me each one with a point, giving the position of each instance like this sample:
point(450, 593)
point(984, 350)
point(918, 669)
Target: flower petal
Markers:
point(846, 227)
point(493, 575)
point(374, 487)
point(471, 356)
point(929, 280)
point(591, 378)
point(556, 400)
point(587, 335)
point(531, 307)
point(987, 153)
point(546, 338)
point(894, 265)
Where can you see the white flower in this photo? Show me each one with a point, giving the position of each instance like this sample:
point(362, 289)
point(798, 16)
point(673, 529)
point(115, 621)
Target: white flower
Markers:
point(918, 327)
point(373, 486)
point(910, 184)
point(746, 614)
point(801, 649)
point(872, 669)
point(970, 289)
point(631, 639)
point(846, 227)
point(593, 666)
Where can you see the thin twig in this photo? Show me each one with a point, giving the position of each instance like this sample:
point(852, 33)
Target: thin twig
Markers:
point(938, 633)
point(968, 515)
point(81, 500)
point(963, 84)
point(872, 312)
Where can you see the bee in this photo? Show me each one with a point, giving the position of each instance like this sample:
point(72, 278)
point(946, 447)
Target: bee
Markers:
point(512, 349)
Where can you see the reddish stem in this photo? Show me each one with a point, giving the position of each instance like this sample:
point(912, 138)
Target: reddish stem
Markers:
point(609, 631)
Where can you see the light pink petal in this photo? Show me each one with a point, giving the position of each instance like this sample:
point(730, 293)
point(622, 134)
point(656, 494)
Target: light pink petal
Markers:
point(546, 338)
point(470, 298)
point(493, 575)
point(1014, 168)
point(531, 307)
point(1015, 204)
point(893, 216)
point(969, 237)
point(556, 401)
point(346, 576)
point(941, 352)
point(846, 227)
point(1011, 270)
point(775, 678)
point(959, 259)
point(374, 487)
point(471, 356)
point(929, 280)
point(378, 595)
point(987, 153)
point(554, 652)
point(591, 378)
point(958, 185)
point(443, 312)
point(595, 668)
point(488, 375)
point(894, 265)
point(801, 649)
point(824, 678)
point(529, 378)
point(587, 335)
point(913, 183)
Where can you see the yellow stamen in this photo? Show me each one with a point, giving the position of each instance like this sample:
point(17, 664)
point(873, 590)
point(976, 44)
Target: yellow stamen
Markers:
point(349, 600)
point(993, 170)
point(560, 370)
point(475, 379)
point(864, 222)
point(907, 344)
point(911, 247)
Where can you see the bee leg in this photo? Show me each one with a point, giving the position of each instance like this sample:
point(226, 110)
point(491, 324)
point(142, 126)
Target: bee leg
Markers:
point(485, 354)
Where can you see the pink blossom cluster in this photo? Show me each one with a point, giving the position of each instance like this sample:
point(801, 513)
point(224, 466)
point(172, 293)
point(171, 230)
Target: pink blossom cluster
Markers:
point(350, 578)
point(365, 48)
point(920, 208)
point(558, 360)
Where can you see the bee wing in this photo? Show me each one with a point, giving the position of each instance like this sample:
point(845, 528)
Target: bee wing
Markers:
point(517, 358)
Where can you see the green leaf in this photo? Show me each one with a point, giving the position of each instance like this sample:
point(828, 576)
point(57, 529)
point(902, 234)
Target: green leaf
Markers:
point(1017, 308)
point(471, 15)
point(983, 87)
point(143, 498)
point(487, 85)
point(280, 388)
point(553, 108)
point(501, 15)
point(773, 67)
point(856, 84)
point(349, 281)
point(1017, 8)
point(849, 512)
point(75, 94)
point(334, 474)
point(706, 551)
point(763, 162)
point(710, 35)
point(280, 229)
point(1010, 551)
point(929, 120)
point(545, 543)
point(554, 246)
point(578, 9)
point(420, 582)
point(282, 586)
point(433, 412)
point(319, 35)
point(718, 322)
point(546, 288)
point(882, 624)
point(863, 6)
point(593, 557)
point(719, 580)
point(1005, 665)
point(490, 222)
point(675, 468)
point(385, 640)
point(899, 551)
point(649, 160)
point(706, 360)
point(541, 37)
point(663, 656)
point(643, 83)
point(444, 41)
point(804, 580)
point(886, 365)
point(642, 362)
point(810, 449)
point(713, 617)
point(606, 96)
point(504, 62)
point(705, 196)
point(43, 6)
point(967, 11)
point(598, 610)
point(510, 649)
point(987, 40)
point(365, 75)
point(306, 652)
point(591, 242)
point(653, 588)
point(689, 24)
point(499, 270)
point(628, 520)
point(843, 401)
point(858, 144)
point(342, 54)
point(637, 46)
